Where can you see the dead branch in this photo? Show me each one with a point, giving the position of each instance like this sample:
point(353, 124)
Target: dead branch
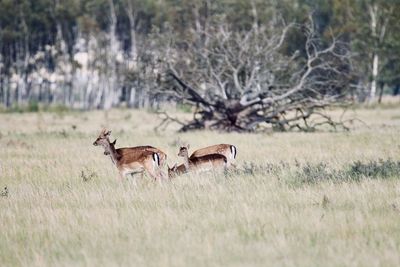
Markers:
point(239, 80)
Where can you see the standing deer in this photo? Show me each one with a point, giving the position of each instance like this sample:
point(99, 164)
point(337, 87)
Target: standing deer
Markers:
point(229, 151)
point(203, 163)
point(104, 136)
point(131, 160)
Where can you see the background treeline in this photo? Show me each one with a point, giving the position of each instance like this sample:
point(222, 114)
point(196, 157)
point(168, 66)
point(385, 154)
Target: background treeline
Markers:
point(102, 53)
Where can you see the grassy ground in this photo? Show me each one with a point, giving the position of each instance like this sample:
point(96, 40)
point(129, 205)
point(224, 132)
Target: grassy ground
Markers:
point(297, 199)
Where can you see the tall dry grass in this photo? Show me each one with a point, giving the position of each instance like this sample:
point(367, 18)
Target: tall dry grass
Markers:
point(65, 207)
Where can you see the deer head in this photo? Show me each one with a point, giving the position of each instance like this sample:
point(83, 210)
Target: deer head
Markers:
point(184, 151)
point(107, 151)
point(172, 171)
point(103, 139)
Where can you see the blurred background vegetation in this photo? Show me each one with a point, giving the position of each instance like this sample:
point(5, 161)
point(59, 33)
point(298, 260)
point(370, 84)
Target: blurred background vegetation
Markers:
point(90, 54)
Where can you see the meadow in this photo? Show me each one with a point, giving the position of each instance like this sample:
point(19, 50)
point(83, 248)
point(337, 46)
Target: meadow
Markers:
point(296, 199)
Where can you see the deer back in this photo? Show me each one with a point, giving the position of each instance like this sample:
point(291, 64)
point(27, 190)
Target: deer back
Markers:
point(127, 156)
point(139, 149)
point(229, 151)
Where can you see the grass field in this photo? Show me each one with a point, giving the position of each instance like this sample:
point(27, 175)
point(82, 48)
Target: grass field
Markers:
point(297, 199)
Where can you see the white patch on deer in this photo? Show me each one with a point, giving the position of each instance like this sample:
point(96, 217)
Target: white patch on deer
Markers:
point(156, 159)
point(233, 152)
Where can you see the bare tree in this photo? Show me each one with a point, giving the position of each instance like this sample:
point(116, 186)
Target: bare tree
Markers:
point(242, 81)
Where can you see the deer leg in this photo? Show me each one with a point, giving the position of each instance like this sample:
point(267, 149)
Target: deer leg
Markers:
point(153, 169)
point(134, 178)
point(160, 173)
point(163, 175)
point(155, 173)
point(121, 176)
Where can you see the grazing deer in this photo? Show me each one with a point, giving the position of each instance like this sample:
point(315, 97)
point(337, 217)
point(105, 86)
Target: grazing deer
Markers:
point(130, 160)
point(176, 170)
point(229, 151)
point(199, 164)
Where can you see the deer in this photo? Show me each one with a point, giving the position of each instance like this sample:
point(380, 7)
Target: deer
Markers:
point(132, 160)
point(105, 134)
point(227, 150)
point(176, 170)
point(203, 163)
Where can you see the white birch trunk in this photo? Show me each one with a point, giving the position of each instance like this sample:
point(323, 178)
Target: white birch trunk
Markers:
point(373, 12)
point(132, 23)
point(375, 64)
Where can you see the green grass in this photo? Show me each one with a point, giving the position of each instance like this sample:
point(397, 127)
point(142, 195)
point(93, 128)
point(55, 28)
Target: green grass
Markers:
point(296, 199)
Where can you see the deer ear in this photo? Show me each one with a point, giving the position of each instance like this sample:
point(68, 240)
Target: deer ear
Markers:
point(115, 141)
point(188, 146)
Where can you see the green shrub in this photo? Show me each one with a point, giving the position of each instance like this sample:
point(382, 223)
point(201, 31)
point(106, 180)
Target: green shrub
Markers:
point(374, 169)
point(314, 173)
point(249, 168)
point(184, 108)
point(33, 106)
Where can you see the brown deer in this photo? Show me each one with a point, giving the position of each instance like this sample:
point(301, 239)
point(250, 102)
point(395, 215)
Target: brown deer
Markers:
point(229, 151)
point(176, 170)
point(104, 136)
point(131, 160)
point(199, 164)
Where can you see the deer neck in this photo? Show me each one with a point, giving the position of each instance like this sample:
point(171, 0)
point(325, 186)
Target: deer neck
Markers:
point(115, 157)
point(186, 160)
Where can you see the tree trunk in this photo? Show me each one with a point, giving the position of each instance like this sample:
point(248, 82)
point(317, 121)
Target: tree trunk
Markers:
point(396, 90)
point(132, 97)
point(111, 74)
point(132, 23)
point(381, 86)
point(375, 64)
point(373, 13)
